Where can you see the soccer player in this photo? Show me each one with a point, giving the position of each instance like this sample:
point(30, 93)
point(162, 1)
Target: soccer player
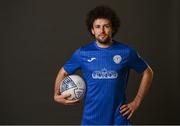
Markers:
point(105, 64)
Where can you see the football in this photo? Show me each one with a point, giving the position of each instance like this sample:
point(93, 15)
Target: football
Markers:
point(74, 85)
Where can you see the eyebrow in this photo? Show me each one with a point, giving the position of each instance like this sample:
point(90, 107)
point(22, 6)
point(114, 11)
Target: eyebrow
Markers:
point(104, 24)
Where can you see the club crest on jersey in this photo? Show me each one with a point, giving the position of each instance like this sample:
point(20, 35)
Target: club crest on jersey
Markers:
point(117, 59)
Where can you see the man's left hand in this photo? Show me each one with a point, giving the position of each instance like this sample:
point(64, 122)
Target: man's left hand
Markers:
point(129, 109)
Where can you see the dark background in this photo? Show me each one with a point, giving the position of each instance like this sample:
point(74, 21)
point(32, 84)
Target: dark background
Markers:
point(39, 36)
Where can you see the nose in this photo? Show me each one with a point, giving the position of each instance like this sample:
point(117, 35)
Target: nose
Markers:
point(102, 30)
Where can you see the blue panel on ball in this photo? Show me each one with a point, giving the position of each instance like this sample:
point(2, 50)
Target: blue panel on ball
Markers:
point(67, 84)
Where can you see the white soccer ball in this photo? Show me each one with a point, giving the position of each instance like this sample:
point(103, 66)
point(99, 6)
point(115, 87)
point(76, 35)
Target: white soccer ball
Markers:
point(74, 85)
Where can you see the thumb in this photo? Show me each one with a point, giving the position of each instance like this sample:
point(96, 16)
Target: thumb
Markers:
point(66, 95)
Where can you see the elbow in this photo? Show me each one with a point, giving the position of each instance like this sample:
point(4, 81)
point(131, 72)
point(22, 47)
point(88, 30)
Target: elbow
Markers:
point(150, 72)
point(55, 98)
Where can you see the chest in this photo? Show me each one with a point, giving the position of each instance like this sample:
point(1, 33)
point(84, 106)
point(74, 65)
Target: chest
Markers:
point(104, 61)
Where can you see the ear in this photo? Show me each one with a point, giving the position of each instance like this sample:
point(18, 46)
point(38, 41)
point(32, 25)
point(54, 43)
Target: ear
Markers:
point(92, 31)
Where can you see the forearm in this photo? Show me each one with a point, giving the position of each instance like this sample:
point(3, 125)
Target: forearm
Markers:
point(62, 99)
point(144, 85)
point(61, 75)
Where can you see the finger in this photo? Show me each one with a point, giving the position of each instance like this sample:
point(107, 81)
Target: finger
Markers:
point(71, 101)
point(57, 97)
point(130, 115)
point(74, 103)
point(126, 113)
point(66, 95)
point(123, 106)
point(124, 109)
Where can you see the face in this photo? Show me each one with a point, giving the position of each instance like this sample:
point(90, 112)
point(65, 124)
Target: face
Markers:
point(102, 30)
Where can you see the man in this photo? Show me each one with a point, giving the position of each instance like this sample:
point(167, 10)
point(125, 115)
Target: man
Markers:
point(105, 64)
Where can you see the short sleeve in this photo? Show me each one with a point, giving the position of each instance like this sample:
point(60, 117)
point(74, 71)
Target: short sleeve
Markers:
point(73, 63)
point(136, 62)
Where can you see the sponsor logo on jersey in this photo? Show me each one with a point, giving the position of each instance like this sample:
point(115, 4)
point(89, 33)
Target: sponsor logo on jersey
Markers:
point(117, 59)
point(104, 74)
point(90, 60)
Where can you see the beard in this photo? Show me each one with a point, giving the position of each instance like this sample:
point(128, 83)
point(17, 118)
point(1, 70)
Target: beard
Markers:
point(104, 41)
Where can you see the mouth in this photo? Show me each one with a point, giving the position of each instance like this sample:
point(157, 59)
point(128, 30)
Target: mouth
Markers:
point(102, 35)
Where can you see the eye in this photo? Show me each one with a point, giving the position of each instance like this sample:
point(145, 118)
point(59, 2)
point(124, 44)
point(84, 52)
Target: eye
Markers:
point(107, 26)
point(97, 26)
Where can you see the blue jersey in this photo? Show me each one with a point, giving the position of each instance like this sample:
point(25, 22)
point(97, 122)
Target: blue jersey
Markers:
point(105, 71)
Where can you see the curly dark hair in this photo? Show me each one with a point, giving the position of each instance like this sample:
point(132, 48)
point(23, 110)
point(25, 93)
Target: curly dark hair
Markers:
point(105, 12)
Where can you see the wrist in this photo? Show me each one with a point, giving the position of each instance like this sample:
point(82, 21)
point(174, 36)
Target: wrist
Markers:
point(137, 101)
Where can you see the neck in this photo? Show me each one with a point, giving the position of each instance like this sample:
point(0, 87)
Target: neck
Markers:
point(104, 45)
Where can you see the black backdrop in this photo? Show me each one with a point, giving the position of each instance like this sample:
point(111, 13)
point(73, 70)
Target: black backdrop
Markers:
point(39, 36)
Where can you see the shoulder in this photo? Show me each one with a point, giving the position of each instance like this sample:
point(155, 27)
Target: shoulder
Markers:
point(88, 46)
point(126, 50)
point(122, 46)
point(83, 48)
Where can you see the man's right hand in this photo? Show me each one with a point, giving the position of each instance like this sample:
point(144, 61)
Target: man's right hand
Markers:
point(63, 99)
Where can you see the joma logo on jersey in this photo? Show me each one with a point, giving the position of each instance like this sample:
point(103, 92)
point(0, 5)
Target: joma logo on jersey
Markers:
point(104, 74)
point(90, 60)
